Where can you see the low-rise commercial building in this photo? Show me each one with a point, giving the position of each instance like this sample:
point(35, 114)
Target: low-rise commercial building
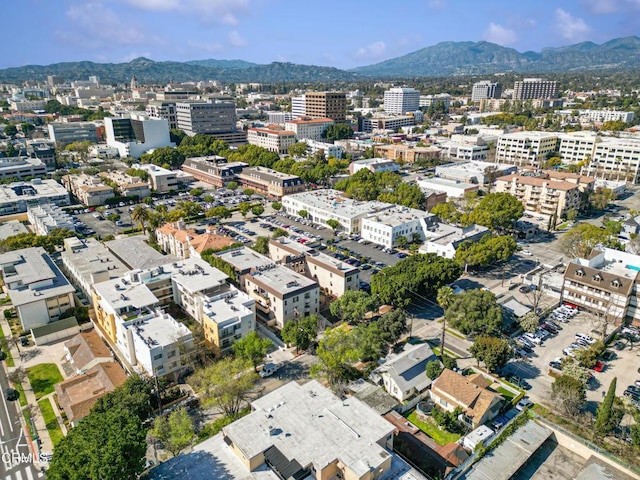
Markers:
point(11, 229)
point(453, 188)
point(270, 183)
point(330, 150)
point(46, 217)
point(390, 122)
point(213, 169)
point(374, 165)
point(388, 226)
point(89, 190)
point(271, 138)
point(44, 150)
point(333, 276)
point(64, 133)
point(16, 197)
point(326, 204)
point(407, 153)
point(444, 240)
point(36, 286)
point(21, 167)
point(161, 180)
point(474, 172)
point(311, 128)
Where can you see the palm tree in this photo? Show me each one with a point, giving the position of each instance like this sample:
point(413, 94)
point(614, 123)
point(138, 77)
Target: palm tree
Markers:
point(444, 299)
point(141, 215)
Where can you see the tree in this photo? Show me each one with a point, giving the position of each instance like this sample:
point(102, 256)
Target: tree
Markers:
point(475, 311)
point(444, 298)
point(605, 410)
point(493, 352)
point(393, 325)
point(434, 369)
point(10, 130)
point(232, 185)
point(333, 224)
point(257, 210)
point(488, 250)
point(279, 232)
point(447, 212)
point(496, 211)
point(371, 342)
point(303, 213)
point(174, 431)
point(140, 214)
point(164, 156)
point(244, 208)
point(587, 357)
point(401, 241)
point(337, 131)
point(530, 322)
point(261, 245)
point(580, 240)
point(352, 306)
point(248, 192)
point(225, 384)
point(600, 198)
point(277, 206)
point(571, 214)
point(298, 149)
point(300, 333)
point(570, 393)
point(220, 212)
point(336, 352)
point(252, 348)
point(573, 369)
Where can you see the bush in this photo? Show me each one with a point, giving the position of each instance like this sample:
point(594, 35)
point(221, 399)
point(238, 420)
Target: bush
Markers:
point(447, 420)
point(434, 369)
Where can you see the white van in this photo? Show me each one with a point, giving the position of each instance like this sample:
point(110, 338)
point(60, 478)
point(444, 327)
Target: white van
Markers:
point(269, 369)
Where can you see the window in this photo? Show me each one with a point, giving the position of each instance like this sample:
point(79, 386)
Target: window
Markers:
point(157, 357)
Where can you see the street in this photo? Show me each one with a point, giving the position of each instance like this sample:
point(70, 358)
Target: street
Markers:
point(17, 461)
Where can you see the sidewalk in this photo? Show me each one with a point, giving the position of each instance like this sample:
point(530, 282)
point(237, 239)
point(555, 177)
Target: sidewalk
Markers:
point(46, 445)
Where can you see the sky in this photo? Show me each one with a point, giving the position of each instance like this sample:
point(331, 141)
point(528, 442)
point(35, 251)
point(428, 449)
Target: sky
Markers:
point(338, 33)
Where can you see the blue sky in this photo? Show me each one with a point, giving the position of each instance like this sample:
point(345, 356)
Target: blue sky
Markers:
point(340, 33)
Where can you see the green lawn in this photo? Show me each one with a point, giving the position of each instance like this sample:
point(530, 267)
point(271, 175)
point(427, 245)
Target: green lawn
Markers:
point(43, 377)
point(22, 398)
point(7, 351)
point(442, 437)
point(508, 396)
point(55, 432)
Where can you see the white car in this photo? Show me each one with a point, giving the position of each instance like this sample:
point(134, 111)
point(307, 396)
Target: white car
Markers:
point(524, 403)
point(526, 253)
point(532, 338)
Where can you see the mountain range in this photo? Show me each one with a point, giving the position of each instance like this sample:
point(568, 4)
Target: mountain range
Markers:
point(442, 59)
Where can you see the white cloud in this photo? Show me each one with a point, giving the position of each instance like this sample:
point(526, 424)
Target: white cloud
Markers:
point(154, 5)
point(236, 40)
point(570, 27)
point(501, 35)
point(215, 11)
point(374, 51)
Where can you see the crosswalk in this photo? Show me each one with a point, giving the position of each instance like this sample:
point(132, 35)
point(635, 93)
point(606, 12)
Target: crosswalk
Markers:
point(26, 474)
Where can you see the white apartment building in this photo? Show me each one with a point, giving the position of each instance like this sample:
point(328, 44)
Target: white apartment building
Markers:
point(279, 118)
point(137, 134)
point(154, 343)
point(374, 165)
point(22, 167)
point(401, 100)
point(161, 180)
point(601, 116)
point(616, 159)
point(281, 294)
point(46, 217)
point(298, 106)
point(526, 148)
point(387, 226)
point(311, 128)
point(36, 286)
point(428, 100)
point(16, 197)
point(485, 89)
point(325, 204)
point(272, 139)
point(334, 276)
point(330, 150)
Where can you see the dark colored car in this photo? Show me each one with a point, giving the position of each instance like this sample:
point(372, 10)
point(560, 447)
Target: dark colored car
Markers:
point(11, 394)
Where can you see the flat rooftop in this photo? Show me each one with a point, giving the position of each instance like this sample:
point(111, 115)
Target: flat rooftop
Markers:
point(89, 256)
point(311, 425)
point(335, 202)
point(473, 167)
point(244, 259)
point(28, 191)
point(398, 215)
point(228, 306)
point(195, 274)
point(318, 256)
point(35, 273)
point(435, 182)
point(122, 293)
point(281, 279)
point(444, 234)
point(136, 253)
point(157, 329)
point(12, 228)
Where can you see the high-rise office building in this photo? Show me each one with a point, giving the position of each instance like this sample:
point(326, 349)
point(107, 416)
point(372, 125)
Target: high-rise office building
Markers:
point(326, 105)
point(137, 134)
point(298, 108)
point(215, 117)
point(485, 89)
point(401, 100)
point(534, 88)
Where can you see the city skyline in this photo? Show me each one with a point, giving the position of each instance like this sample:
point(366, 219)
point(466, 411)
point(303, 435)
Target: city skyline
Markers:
point(339, 34)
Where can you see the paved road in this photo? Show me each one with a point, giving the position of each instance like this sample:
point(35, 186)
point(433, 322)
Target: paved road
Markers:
point(16, 460)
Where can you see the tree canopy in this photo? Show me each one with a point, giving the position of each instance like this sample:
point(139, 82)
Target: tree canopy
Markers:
point(580, 240)
point(496, 211)
point(487, 251)
point(352, 306)
point(337, 131)
point(570, 393)
point(301, 332)
point(251, 348)
point(336, 353)
point(492, 351)
point(383, 186)
point(475, 311)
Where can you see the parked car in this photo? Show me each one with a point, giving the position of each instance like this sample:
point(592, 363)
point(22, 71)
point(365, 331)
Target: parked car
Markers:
point(532, 338)
point(524, 403)
point(269, 369)
point(599, 366)
point(11, 394)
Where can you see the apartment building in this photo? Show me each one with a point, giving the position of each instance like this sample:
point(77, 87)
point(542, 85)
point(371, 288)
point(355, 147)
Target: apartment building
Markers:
point(244, 260)
point(399, 101)
point(616, 159)
point(406, 153)
point(542, 195)
point(388, 226)
point(601, 116)
point(526, 148)
point(298, 107)
point(606, 284)
point(43, 150)
point(374, 165)
point(137, 134)
point(331, 105)
point(161, 180)
point(89, 190)
point(332, 275)
point(311, 433)
point(272, 138)
point(184, 243)
point(16, 197)
point(87, 262)
point(326, 204)
point(534, 88)
point(329, 149)
point(36, 286)
point(45, 217)
point(21, 167)
point(386, 122)
point(485, 89)
point(270, 183)
point(311, 128)
point(213, 169)
point(128, 185)
point(215, 117)
point(428, 100)
point(476, 172)
point(165, 110)
point(64, 133)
